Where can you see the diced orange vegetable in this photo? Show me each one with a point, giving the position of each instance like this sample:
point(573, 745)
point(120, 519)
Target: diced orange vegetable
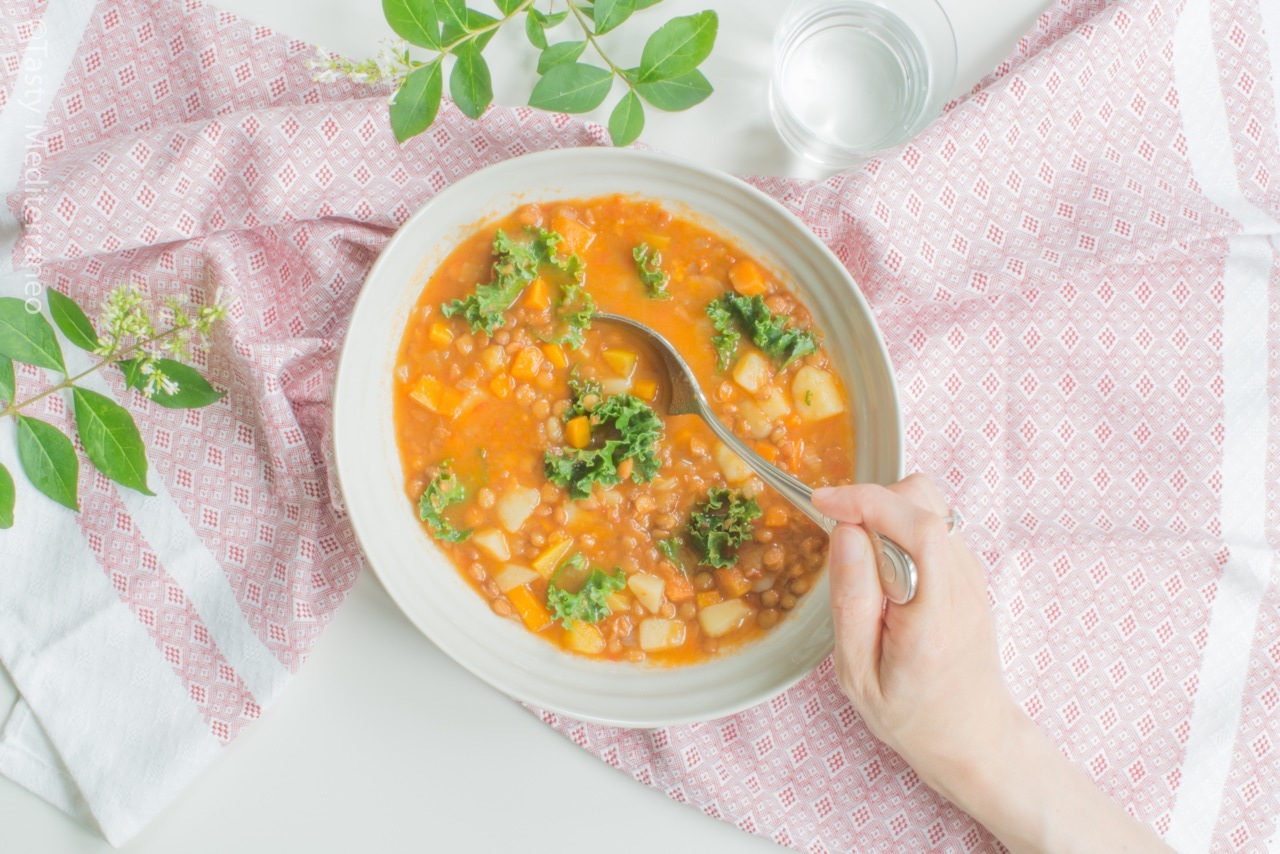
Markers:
point(555, 355)
point(708, 598)
point(623, 362)
point(619, 602)
point(546, 563)
point(501, 385)
point(526, 364)
point(645, 389)
point(585, 638)
point(678, 586)
point(732, 582)
point(576, 235)
point(436, 396)
point(534, 614)
point(538, 296)
point(440, 335)
point(578, 431)
point(747, 278)
point(775, 517)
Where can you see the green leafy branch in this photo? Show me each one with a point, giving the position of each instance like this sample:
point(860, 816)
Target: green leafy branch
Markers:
point(667, 77)
point(130, 340)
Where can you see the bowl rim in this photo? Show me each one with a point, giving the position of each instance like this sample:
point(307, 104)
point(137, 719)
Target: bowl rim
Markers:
point(348, 371)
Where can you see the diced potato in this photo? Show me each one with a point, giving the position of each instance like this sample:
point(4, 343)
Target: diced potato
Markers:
point(527, 363)
point(533, 612)
point(538, 297)
point(546, 563)
point(615, 385)
point(723, 618)
point(516, 505)
point(753, 372)
point(774, 405)
point(623, 362)
point(578, 431)
point(757, 423)
point(555, 355)
point(514, 575)
point(747, 278)
point(645, 389)
point(494, 542)
point(657, 634)
point(732, 582)
point(440, 334)
point(815, 394)
point(649, 589)
point(584, 637)
point(731, 465)
point(708, 598)
point(436, 396)
point(619, 602)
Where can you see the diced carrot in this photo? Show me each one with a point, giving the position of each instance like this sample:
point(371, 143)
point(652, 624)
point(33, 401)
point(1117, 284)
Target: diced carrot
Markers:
point(501, 385)
point(708, 598)
point(440, 335)
point(583, 637)
point(534, 614)
point(645, 389)
point(623, 362)
point(678, 586)
point(538, 297)
point(555, 355)
point(732, 582)
point(775, 517)
point(526, 364)
point(747, 278)
point(546, 563)
point(436, 396)
point(625, 467)
point(576, 235)
point(578, 431)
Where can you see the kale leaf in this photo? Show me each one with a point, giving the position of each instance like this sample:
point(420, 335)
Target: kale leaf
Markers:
point(771, 332)
point(720, 524)
point(443, 490)
point(589, 604)
point(648, 266)
point(726, 341)
point(636, 430)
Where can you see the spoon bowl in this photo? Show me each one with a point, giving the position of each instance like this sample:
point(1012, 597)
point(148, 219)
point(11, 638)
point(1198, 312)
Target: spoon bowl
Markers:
point(681, 395)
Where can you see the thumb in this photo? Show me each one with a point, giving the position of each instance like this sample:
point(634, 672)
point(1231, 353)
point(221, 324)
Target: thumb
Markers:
point(857, 606)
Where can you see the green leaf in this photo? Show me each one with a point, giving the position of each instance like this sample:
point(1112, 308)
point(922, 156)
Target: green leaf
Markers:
point(7, 497)
point(645, 4)
point(193, 391)
point(49, 460)
point(553, 20)
point(111, 439)
point(72, 321)
point(415, 21)
point(8, 385)
point(417, 102)
point(574, 87)
point(558, 54)
point(25, 336)
point(533, 30)
point(678, 47)
point(453, 18)
point(608, 14)
point(470, 21)
point(507, 7)
point(469, 83)
point(627, 120)
point(678, 93)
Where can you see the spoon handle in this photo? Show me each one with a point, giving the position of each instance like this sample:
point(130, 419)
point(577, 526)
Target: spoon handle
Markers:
point(898, 574)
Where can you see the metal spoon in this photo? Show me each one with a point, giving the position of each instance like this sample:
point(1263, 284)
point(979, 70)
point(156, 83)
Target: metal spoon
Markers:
point(898, 576)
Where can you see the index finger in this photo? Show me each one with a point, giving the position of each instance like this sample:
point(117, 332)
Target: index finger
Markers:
point(911, 526)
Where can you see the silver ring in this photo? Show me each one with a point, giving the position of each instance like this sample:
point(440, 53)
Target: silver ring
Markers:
point(954, 521)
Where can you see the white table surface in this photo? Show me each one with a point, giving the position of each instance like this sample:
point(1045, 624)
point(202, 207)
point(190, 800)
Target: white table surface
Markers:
point(382, 743)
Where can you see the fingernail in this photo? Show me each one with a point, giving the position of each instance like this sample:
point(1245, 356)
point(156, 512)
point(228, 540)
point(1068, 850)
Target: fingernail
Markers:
point(848, 545)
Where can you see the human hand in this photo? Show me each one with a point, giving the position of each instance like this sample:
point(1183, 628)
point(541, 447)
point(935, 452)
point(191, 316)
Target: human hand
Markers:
point(925, 676)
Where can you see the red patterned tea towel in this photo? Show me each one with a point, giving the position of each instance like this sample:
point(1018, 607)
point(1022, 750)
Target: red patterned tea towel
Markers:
point(1073, 269)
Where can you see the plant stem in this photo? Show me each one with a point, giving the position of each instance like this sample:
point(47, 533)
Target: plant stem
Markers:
point(591, 37)
point(471, 34)
point(14, 407)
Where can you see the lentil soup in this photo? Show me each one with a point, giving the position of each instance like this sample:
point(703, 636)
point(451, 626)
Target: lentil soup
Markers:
point(535, 457)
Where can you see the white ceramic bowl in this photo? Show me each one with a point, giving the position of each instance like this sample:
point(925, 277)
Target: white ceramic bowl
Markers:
point(418, 575)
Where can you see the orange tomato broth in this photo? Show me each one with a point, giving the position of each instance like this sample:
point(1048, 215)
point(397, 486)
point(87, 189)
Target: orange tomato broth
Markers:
point(495, 428)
